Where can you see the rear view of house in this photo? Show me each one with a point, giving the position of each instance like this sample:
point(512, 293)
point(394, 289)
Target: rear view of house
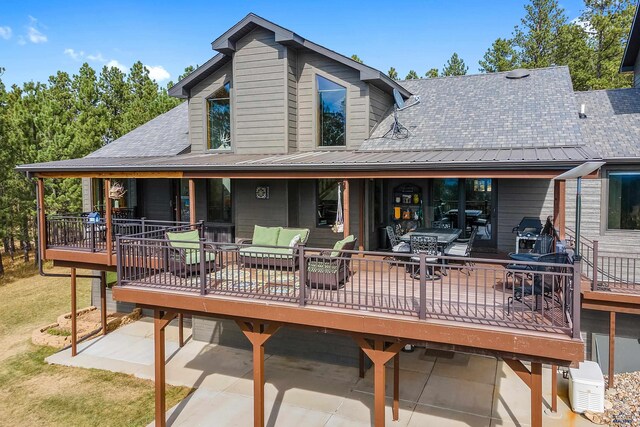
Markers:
point(267, 200)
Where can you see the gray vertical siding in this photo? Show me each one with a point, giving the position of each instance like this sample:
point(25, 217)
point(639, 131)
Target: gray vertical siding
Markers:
point(250, 211)
point(636, 72)
point(292, 98)
point(518, 198)
point(197, 110)
point(380, 104)
point(593, 224)
point(259, 112)
point(310, 64)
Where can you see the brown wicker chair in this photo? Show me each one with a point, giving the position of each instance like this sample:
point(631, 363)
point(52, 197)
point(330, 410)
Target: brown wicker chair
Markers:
point(332, 272)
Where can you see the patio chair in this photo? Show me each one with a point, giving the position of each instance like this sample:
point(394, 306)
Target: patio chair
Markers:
point(547, 286)
point(184, 253)
point(429, 246)
point(397, 245)
point(441, 224)
point(462, 249)
point(542, 246)
point(331, 270)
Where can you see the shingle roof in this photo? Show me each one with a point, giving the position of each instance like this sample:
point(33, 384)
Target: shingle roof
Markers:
point(612, 126)
point(486, 111)
point(507, 158)
point(165, 135)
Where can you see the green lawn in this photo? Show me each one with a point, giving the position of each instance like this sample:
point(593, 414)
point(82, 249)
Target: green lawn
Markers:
point(33, 393)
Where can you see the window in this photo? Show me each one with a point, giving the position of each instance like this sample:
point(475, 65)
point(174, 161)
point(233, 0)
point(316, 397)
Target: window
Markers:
point(219, 200)
point(326, 201)
point(624, 201)
point(332, 113)
point(122, 207)
point(219, 119)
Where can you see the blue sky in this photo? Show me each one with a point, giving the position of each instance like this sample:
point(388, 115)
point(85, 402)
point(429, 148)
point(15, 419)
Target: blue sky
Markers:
point(37, 38)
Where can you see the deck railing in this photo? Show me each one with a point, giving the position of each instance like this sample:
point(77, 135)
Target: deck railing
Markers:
point(531, 296)
point(609, 271)
point(79, 232)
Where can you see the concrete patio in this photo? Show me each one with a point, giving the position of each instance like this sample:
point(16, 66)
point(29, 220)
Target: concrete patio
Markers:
point(436, 388)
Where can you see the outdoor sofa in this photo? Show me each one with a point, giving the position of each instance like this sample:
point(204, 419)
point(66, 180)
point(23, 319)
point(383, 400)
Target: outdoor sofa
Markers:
point(273, 247)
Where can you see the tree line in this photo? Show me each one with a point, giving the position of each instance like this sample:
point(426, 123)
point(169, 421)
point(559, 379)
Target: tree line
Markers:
point(591, 45)
point(67, 117)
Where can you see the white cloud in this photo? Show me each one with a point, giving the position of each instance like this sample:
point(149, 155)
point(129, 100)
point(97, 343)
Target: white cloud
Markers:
point(34, 35)
point(97, 57)
point(73, 54)
point(6, 33)
point(114, 63)
point(157, 72)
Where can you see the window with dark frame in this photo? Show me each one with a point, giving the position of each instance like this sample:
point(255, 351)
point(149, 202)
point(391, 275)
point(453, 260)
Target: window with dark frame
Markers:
point(624, 201)
point(219, 119)
point(219, 201)
point(332, 113)
point(326, 202)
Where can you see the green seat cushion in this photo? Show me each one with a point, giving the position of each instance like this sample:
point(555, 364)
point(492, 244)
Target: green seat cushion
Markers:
point(340, 244)
point(112, 277)
point(323, 266)
point(287, 234)
point(184, 239)
point(193, 257)
point(257, 252)
point(267, 236)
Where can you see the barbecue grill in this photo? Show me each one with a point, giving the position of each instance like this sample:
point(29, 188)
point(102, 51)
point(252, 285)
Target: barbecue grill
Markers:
point(526, 233)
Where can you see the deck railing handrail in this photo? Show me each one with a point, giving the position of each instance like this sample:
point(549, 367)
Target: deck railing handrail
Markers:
point(487, 291)
point(608, 270)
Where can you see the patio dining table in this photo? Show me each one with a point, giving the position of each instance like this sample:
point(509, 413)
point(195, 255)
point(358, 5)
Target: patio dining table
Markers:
point(445, 236)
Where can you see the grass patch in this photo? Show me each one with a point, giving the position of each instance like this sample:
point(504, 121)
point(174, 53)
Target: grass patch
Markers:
point(58, 332)
point(33, 392)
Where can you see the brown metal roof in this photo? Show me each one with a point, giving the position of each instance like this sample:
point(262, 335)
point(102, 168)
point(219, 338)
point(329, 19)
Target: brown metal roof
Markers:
point(507, 158)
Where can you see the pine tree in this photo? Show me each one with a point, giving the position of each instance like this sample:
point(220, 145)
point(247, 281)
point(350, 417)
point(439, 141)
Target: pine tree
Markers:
point(536, 36)
point(392, 73)
point(356, 58)
point(501, 56)
point(412, 75)
point(455, 66)
point(432, 73)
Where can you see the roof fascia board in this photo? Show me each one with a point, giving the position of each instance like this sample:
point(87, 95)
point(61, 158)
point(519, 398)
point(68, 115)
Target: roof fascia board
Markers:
point(181, 89)
point(633, 45)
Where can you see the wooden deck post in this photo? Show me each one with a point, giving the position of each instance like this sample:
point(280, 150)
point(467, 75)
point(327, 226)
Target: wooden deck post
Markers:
point(192, 201)
point(361, 205)
point(103, 301)
point(559, 207)
point(160, 322)
point(396, 387)
point(612, 348)
point(42, 220)
point(380, 352)
point(345, 207)
point(533, 380)
point(258, 333)
point(361, 368)
point(536, 394)
point(181, 329)
point(74, 309)
point(554, 388)
point(107, 217)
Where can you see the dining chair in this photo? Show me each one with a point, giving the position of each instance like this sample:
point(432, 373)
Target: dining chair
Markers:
point(429, 246)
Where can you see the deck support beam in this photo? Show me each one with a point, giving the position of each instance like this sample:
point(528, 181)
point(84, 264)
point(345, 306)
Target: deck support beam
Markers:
point(107, 215)
point(533, 379)
point(103, 301)
point(346, 207)
point(74, 310)
point(559, 207)
point(160, 321)
point(258, 334)
point(554, 388)
point(396, 387)
point(612, 348)
point(181, 329)
point(42, 221)
point(192, 201)
point(380, 352)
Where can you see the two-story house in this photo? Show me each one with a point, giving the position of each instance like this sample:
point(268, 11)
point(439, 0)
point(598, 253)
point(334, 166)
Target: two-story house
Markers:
point(279, 132)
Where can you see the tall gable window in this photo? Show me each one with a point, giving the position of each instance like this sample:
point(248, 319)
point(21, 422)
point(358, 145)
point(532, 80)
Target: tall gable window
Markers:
point(624, 201)
point(332, 113)
point(219, 119)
